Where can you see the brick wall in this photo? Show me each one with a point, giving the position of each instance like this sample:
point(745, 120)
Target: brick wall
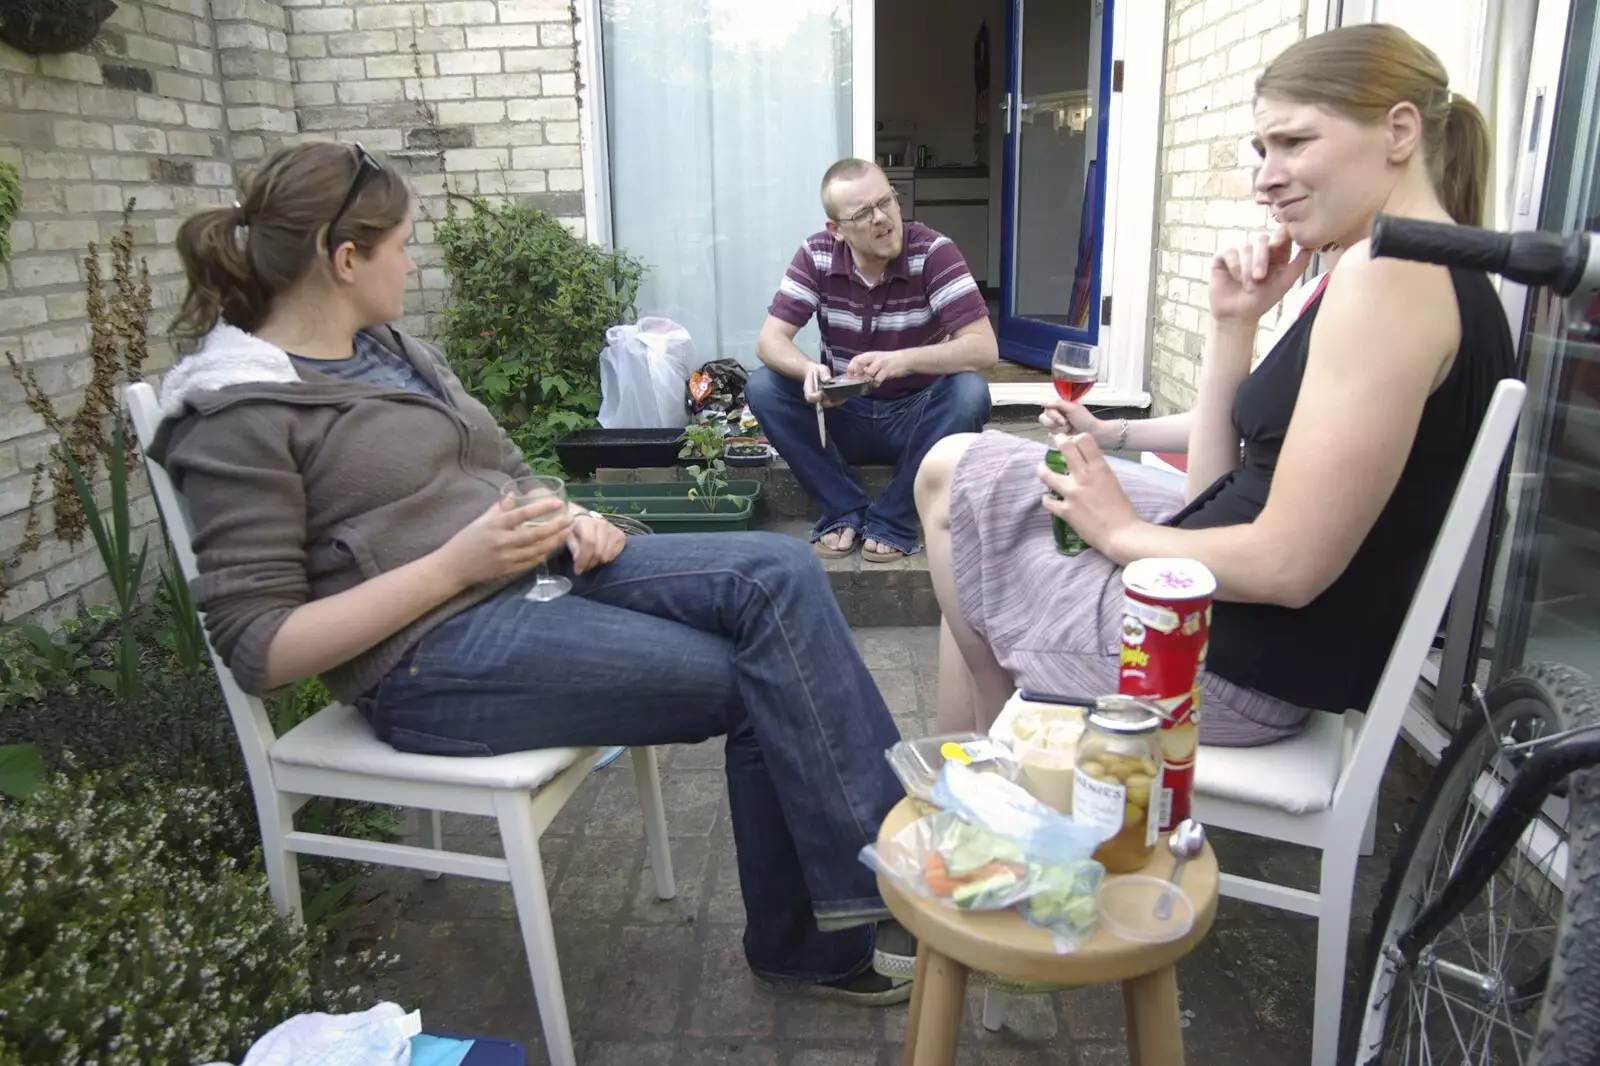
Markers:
point(499, 77)
point(140, 115)
point(1215, 51)
point(171, 99)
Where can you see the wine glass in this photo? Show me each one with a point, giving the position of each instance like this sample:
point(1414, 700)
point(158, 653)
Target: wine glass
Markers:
point(1074, 368)
point(532, 489)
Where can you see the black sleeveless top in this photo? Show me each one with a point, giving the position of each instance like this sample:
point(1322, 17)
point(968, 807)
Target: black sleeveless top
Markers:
point(1328, 655)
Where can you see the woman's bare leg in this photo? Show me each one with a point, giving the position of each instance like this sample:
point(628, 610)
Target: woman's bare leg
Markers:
point(958, 703)
point(973, 687)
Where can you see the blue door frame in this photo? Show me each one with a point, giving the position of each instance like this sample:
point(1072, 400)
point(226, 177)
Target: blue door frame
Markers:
point(1024, 340)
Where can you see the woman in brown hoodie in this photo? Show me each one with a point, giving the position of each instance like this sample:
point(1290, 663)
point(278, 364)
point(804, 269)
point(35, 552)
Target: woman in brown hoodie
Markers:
point(347, 496)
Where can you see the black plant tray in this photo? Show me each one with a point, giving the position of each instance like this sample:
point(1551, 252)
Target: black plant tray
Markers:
point(584, 452)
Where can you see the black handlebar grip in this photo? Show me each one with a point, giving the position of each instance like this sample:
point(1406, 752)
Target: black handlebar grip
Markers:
point(1440, 243)
point(1530, 257)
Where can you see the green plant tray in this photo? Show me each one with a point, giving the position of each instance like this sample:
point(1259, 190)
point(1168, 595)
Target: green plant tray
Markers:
point(681, 514)
point(665, 490)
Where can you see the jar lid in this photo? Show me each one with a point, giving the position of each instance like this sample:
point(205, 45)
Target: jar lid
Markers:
point(1125, 715)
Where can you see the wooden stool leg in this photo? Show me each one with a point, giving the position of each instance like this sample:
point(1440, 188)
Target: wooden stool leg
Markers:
point(919, 983)
point(1154, 1035)
point(938, 1005)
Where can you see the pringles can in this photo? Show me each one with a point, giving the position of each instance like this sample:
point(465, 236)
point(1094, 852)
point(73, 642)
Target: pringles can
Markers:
point(1166, 629)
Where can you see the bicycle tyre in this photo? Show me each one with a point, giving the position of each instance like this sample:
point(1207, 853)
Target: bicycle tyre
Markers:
point(1569, 1020)
point(1562, 698)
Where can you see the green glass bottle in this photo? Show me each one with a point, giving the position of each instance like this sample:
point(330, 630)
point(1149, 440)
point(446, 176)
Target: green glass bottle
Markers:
point(1067, 540)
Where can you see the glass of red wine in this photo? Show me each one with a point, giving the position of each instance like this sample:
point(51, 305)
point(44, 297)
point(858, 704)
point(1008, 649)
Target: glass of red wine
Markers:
point(1074, 368)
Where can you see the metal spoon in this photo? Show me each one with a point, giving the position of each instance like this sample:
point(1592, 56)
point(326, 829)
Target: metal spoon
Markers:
point(1187, 838)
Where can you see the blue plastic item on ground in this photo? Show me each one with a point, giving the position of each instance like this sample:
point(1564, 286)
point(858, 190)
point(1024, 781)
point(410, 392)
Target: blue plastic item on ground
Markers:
point(430, 1049)
point(485, 1052)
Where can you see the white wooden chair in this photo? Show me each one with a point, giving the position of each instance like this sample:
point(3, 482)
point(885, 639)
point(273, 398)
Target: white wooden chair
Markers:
point(1320, 789)
point(336, 754)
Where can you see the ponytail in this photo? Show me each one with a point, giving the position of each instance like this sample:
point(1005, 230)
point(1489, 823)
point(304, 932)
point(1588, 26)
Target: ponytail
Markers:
point(1464, 162)
point(220, 282)
point(239, 259)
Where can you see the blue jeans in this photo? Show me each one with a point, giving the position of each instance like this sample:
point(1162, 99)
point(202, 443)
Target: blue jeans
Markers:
point(682, 638)
point(897, 431)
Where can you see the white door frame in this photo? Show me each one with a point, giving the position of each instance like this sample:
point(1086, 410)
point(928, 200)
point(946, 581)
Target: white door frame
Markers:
point(1132, 160)
point(592, 141)
point(1133, 154)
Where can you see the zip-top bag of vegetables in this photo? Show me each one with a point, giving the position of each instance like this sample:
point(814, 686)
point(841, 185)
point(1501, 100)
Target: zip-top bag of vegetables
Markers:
point(992, 846)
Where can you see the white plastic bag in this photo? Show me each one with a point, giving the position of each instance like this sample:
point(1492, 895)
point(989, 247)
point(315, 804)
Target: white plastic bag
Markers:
point(377, 1037)
point(644, 370)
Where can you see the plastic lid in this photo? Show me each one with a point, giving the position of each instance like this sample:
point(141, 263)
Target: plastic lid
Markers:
point(1130, 905)
point(1169, 579)
point(916, 762)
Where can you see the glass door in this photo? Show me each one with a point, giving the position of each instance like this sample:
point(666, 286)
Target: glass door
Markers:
point(1058, 78)
point(1550, 606)
point(721, 116)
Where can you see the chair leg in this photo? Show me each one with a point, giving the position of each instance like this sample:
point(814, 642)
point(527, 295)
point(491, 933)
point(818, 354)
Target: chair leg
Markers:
point(994, 1009)
point(1369, 835)
point(435, 841)
point(520, 839)
point(276, 812)
point(1333, 934)
point(647, 779)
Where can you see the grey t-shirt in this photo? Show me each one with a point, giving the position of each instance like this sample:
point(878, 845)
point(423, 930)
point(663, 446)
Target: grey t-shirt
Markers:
point(374, 364)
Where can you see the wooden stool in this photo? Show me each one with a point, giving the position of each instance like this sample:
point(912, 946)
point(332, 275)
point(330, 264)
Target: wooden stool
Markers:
point(952, 942)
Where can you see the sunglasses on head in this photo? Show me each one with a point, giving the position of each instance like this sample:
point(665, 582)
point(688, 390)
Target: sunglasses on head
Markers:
point(366, 166)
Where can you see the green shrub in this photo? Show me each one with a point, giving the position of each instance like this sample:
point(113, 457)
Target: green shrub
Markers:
point(31, 663)
point(10, 202)
point(131, 935)
point(530, 306)
point(176, 730)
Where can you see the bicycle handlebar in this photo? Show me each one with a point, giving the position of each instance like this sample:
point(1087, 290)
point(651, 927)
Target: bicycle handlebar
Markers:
point(1530, 256)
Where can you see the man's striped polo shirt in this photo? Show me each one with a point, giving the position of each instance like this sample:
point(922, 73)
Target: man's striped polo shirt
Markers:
point(925, 295)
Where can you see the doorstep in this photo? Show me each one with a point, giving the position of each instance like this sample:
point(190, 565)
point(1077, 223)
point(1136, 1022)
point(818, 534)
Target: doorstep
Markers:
point(871, 594)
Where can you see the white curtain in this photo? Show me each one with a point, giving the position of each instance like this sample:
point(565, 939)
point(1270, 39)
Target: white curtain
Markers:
point(721, 116)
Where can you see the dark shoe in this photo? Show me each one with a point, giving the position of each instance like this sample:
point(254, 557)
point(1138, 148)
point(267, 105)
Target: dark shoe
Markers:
point(865, 989)
point(894, 956)
point(894, 951)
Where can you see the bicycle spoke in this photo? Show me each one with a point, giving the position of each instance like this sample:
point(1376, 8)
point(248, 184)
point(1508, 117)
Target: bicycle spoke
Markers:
point(1473, 993)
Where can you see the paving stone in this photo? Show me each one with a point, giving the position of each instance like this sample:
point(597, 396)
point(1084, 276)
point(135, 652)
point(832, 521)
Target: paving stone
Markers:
point(649, 982)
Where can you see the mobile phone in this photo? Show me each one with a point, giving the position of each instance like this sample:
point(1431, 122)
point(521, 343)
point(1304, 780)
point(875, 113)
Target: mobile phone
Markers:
point(1055, 698)
point(845, 388)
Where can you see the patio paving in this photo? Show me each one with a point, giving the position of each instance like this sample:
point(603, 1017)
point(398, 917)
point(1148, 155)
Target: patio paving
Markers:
point(652, 983)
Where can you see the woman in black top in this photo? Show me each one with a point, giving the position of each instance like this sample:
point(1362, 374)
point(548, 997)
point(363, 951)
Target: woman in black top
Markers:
point(1356, 427)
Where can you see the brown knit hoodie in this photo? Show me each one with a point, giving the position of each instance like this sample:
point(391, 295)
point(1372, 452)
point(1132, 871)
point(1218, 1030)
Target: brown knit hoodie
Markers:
point(302, 486)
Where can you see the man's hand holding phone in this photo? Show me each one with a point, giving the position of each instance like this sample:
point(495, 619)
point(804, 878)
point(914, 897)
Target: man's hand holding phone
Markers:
point(819, 375)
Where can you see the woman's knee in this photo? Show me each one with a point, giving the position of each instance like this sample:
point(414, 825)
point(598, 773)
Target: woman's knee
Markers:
point(938, 471)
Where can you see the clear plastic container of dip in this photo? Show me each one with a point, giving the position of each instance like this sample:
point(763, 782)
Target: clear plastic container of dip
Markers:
point(1045, 745)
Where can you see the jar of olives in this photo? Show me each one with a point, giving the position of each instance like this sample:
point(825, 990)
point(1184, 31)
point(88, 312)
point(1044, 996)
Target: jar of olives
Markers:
point(1118, 761)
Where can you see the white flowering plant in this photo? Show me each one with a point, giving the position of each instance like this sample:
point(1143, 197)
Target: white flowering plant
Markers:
point(130, 937)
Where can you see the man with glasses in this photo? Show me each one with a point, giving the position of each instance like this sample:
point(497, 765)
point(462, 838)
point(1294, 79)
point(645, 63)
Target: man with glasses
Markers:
point(896, 307)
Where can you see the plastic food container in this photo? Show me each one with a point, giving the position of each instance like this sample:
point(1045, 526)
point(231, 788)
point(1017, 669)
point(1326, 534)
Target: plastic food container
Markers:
point(917, 762)
point(1045, 741)
point(1129, 905)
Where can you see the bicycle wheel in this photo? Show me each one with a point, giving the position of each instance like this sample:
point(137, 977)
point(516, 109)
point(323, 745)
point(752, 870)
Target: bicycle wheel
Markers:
point(1474, 995)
